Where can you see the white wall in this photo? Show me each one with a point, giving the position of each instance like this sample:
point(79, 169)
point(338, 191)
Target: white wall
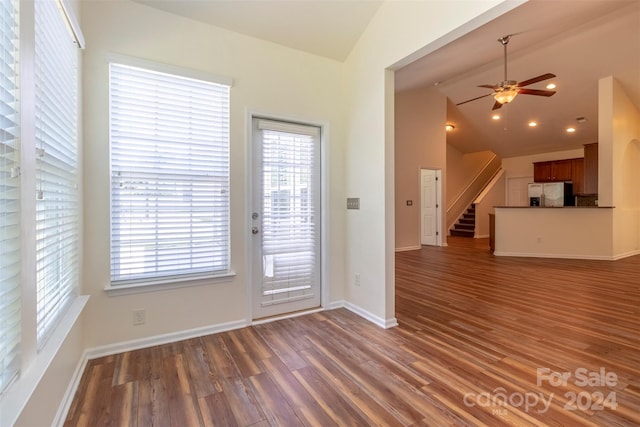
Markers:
point(267, 78)
point(399, 31)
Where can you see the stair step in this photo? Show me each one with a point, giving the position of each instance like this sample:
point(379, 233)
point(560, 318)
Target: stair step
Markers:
point(462, 233)
point(464, 226)
point(468, 216)
point(467, 220)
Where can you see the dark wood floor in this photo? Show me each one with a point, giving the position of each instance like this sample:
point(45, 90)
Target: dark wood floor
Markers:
point(474, 332)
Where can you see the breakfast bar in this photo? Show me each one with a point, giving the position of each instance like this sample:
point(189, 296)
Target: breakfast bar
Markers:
point(556, 232)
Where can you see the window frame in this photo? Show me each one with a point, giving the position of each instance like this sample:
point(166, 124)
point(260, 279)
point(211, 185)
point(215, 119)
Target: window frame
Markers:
point(10, 238)
point(57, 166)
point(170, 281)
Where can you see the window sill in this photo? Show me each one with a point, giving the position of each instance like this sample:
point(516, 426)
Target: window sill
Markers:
point(163, 285)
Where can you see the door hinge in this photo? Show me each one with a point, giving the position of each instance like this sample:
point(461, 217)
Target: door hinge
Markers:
point(437, 233)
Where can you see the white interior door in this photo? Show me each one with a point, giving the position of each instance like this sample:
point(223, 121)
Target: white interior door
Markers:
point(518, 191)
point(285, 218)
point(428, 207)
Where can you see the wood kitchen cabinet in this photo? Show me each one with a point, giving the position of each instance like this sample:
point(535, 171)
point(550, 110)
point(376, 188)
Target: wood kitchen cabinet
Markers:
point(591, 168)
point(553, 171)
point(542, 171)
point(577, 170)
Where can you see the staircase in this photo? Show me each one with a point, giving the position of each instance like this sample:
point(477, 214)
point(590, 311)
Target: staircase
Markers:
point(466, 225)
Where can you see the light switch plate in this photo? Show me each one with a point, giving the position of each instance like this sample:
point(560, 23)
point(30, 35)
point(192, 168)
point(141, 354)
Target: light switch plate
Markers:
point(353, 203)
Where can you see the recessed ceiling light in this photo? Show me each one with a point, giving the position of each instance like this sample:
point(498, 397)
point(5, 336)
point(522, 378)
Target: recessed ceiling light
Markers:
point(551, 86)
point(496, 117)
point(571, 130)
point(533, 124)
point(449, 127)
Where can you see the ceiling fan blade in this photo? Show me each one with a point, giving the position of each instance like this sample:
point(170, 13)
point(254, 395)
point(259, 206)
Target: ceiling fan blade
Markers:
point(494, 87)
point(496, 106)
point(473, 99)
point(536, 80)
point(536, 92)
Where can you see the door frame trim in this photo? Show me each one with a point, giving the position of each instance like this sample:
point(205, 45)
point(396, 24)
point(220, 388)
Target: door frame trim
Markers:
point(325, 262)
point(438, 202)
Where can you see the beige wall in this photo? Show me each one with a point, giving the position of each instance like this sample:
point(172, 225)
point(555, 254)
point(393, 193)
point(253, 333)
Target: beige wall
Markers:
point(620, 162)
point(46, 372)
point(470, 172)
point(493, 196)
point(554, 232)
point(609, 232)
point(420, 142)
point(462, 168)
point(44, 402)
point(399, 31)
point(273, 80)
point(522, 166)
point(268, 79)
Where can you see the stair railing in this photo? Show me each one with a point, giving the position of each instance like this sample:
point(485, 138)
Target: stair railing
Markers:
point(474, 187)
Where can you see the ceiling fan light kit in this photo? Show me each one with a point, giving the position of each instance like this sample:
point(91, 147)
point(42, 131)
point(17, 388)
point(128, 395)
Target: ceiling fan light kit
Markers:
point(506, 91)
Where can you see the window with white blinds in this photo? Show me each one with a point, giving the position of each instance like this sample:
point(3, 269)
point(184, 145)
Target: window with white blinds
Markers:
point(57, 210)
point(169, 176)
point(290, 211)
point(9, 196)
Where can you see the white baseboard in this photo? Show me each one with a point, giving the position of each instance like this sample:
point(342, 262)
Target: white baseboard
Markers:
point(627, 254)
point(17, 396)
point(145, 342)
point(286, 316)
point(121, 347)
point(69, 394)
point(409, 248)
point(558, 256)
point(481, 236)
point(336, 304)
point(383, 323)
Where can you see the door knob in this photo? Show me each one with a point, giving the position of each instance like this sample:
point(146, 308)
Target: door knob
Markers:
point(254, 230)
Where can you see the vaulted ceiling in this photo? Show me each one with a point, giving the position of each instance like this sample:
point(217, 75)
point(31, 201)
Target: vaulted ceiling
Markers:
point(327, 28)
point(579, 41)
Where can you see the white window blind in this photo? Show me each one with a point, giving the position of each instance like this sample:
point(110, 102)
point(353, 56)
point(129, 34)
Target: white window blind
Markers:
point(169, 176)
point(290, 216)
point(9, 196)
point(57, 219)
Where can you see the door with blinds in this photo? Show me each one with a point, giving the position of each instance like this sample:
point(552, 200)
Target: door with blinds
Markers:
point(285, 218)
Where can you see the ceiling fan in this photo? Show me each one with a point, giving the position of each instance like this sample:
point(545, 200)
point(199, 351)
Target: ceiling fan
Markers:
point(507, 90)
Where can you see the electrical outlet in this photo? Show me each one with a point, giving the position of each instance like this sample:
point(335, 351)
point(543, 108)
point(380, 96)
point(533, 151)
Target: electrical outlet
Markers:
point(357, 279)
point(139, 317)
